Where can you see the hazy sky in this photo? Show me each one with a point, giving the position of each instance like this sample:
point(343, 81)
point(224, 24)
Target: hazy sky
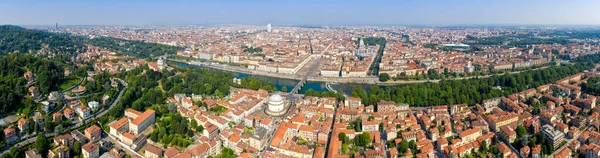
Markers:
point(298, 12)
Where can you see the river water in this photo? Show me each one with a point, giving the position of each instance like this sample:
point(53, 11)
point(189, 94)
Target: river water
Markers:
point(289, 83)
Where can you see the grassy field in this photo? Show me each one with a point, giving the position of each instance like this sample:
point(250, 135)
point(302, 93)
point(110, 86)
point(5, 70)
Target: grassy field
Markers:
point(218, 110)
point(69, 82)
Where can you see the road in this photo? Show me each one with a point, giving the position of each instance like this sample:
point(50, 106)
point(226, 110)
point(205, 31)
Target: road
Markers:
point(31, 138)
point(331, 132)
point(115, 101)
point(512, 148)
point(270, 137)
point(71, 98)
point(104, 110)
point(27, 141)
point(122, 146)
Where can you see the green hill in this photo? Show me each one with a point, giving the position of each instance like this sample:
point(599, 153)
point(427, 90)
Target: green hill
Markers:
point(18, 39)
point(22, 40)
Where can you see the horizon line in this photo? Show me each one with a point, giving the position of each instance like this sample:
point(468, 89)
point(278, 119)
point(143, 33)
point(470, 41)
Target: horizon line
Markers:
point(297, 25)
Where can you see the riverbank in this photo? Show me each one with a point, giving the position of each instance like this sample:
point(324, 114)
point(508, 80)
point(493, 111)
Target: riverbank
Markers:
point(356, 80)
point(237, 69)
point(334, 80)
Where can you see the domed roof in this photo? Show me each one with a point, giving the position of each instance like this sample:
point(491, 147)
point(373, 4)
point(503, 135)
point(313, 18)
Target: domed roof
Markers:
point(275, 97)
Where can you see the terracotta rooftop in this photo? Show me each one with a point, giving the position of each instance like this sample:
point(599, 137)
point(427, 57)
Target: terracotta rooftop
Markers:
point(143, 117)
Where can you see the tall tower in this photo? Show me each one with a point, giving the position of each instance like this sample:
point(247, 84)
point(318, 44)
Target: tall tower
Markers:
point(161, 63)
point(361, 43)
point(56, 26)
point(268, 27)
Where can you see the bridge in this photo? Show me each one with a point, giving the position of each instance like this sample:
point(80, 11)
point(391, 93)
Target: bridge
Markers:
point(310, 70)
point(305, 77)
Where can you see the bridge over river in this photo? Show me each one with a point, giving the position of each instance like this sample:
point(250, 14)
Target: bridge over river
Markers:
point(292, 95)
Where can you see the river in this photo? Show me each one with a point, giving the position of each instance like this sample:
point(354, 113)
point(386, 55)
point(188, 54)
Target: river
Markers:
point(289, 83)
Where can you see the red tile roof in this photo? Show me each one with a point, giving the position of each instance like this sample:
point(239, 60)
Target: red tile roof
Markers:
point(90, 147)
point(143, 117)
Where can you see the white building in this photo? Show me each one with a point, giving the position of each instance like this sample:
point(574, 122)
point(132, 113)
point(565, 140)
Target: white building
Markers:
point(234, 59)
point(286, 69)
point(141, 122)
point(552, 135)
point(94, 105)
point(118, 127)
point(354, 73)
point(84, 112)
point(330, 73)
point(161, 63)
point(276, 105)
point(266, 68)
point(269, 28)
point(205, 55)
point(225, 59)
point(47, 106)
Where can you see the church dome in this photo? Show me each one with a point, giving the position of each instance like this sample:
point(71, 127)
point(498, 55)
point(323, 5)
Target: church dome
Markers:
point(276, 104)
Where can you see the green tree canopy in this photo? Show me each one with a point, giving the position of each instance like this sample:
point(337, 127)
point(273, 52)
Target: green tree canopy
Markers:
point(384, 77)
point(363, 139)
point(41, 143)
point(521, 131)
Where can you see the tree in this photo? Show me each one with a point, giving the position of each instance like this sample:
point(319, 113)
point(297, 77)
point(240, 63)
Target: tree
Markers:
point(41, 143)
point(154, 137)
point(200, 129)
point(521, 131)
point(284, 89)
point(358, 125)
point(226, 153)
point(484, 146)
point(33, 127)
point(193, 123)
point(342, 137)
point(77, 147)
point(58, 129)
point(403, 147)
point(494, 140)
point(370, 118)
point(412, 145)
point(524, 140)
point(48, 123)
point(474, 90)
point(363, 139)
point(383, 77)
point(172, 107)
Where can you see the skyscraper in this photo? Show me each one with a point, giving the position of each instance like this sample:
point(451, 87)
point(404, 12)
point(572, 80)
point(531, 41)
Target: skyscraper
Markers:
point(56, 27)
point(268, 27)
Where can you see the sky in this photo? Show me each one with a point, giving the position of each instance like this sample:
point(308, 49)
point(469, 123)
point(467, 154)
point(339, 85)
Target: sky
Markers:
point(300, 12)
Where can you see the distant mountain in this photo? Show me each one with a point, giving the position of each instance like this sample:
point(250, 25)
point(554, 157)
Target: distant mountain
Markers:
point(18, 39)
